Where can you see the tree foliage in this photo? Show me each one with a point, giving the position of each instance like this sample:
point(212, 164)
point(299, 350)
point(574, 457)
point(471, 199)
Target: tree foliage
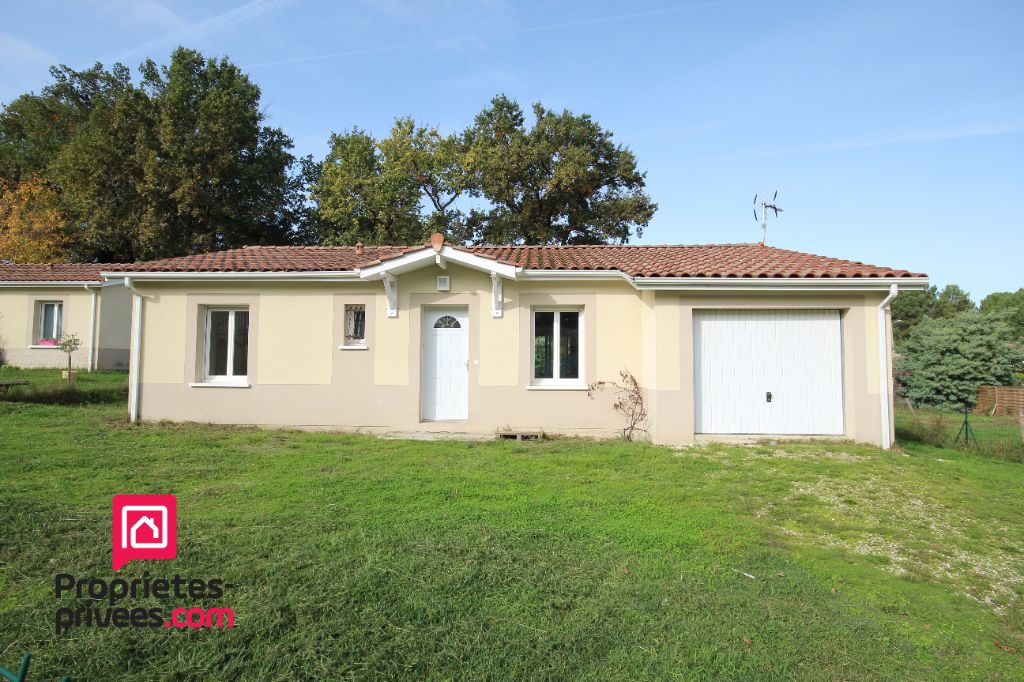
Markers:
point(360, 196)
point(1011, 305)
point(397, 190)
point(30, 228)
point(101, 165)
point(910, 308)
point(180, 162)
point(561, 181)
point(436, 165)
point(943, 362)
point(952, 301)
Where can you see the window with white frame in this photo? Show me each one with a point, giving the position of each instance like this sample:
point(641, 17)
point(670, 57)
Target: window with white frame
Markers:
point(557, 349)
point(50, 314)
point(227, 344)
point(355, 325)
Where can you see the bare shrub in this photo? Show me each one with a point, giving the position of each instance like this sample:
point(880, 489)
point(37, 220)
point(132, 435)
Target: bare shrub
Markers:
point(629, 401)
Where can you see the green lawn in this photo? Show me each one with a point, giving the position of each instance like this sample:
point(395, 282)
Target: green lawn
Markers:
point(362, 558)
point(998, 437)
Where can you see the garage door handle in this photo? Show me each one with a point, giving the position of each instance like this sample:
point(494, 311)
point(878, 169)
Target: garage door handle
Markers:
point(768, 396)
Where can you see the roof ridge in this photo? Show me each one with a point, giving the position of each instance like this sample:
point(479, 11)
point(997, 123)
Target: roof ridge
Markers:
point(606, 246)
point(377, 247)
point(306, 246)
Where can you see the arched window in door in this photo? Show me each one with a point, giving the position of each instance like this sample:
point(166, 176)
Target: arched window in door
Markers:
point(447, 322)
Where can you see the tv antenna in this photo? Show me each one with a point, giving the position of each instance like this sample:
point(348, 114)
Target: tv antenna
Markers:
point(765, 205)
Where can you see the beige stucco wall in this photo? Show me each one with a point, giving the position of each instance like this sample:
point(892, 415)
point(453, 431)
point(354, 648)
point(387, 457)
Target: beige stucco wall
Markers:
point(113, 327)
point(300, 377)
point(164, 336)
point(19, 324)
point(296, 348)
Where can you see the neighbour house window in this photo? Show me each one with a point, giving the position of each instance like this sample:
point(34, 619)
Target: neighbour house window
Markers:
point(556, 346)
point(50, 314)
point(227, 344)
point(355, 325)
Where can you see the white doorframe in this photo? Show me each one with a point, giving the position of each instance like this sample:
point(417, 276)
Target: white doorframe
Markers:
point(444, 363)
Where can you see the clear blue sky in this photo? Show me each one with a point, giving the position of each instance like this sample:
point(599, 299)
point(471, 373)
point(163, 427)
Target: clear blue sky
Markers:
point(893, 130)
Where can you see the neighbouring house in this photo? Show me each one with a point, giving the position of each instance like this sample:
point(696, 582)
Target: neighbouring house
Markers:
point(732, 339)
point(41, 302)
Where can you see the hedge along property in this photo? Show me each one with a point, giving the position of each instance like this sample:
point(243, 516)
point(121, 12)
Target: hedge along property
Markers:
point(724, 339)
point(39, 303)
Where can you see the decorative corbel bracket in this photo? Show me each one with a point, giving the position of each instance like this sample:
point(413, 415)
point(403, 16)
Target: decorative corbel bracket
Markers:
point(391, 289)
point(497, 299)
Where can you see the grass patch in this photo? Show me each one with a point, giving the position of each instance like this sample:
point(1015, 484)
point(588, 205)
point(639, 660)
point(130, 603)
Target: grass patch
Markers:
point(46, 387)
point(998, 436)
point(362, 558)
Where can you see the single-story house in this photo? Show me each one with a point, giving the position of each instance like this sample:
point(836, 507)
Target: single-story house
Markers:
point(731, 339)
point(41, 302)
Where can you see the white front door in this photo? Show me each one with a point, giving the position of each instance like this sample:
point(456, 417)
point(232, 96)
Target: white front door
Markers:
point(445, 363)
point(768, 372)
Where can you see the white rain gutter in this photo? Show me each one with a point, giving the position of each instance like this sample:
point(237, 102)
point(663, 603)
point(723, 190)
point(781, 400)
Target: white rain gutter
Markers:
point(48, 285)
point(884, 374)
point(92, 328)
point(318, 276)
point(538, 275)
point(744, 284)
point(814, 284)
point(134, 365)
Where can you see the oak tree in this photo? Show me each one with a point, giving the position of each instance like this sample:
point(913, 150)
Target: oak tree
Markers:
point(180, 162)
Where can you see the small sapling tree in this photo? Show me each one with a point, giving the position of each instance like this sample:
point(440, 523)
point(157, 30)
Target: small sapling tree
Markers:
point(69, 343)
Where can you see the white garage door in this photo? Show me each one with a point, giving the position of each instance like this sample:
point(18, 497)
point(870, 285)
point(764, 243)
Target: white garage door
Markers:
point(768, 371)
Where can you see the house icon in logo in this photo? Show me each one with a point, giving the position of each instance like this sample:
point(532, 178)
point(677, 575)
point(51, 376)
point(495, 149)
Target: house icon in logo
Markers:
point(155, 538)
point(144, 527)
point(154, 532)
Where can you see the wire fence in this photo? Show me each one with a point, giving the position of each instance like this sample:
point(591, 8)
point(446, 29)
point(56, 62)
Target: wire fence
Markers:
point(999, 436)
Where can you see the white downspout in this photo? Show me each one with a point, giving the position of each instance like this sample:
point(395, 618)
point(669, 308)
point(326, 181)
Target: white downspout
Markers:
point(134, 378)
point(884, 375)
point(92, 329)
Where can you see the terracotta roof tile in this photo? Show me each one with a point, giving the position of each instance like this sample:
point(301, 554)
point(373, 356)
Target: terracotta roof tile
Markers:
point(701, 260)
point(272, 259)
point(53, 272)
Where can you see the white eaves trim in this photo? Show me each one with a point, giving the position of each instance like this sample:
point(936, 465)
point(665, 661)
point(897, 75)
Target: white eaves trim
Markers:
point(573, 275)
point(425, 256)
point(729, 283)
point(318, 276)
point(77, 285)
point(778, 283)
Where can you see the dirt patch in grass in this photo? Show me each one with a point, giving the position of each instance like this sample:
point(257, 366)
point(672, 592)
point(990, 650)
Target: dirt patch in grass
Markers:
point(911, 534)
point(762, 451)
